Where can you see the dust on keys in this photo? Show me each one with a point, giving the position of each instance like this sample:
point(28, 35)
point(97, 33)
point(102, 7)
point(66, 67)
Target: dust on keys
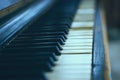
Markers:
point(76, 59)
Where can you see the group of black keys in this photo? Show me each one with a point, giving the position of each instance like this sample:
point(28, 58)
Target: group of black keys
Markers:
point(34, 50)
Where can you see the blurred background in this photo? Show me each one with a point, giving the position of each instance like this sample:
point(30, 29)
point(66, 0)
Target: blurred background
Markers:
point(112, 8)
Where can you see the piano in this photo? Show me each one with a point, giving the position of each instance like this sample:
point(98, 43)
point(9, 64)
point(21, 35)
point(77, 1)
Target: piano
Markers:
point(54, 40)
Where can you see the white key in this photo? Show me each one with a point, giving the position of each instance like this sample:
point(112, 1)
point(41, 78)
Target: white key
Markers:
point(78, 31)
point(77, 47)
point(84, 31)
point(85, 11)
point(80, 34)
point(85, 67)
point(80, 37)
point(84, 17)
point(72, 67)
point(77, 51)
point(83, 25)
point(78, 58)
point(81, 44)
point(79, 41)
point(64, 76)
point(87, 4)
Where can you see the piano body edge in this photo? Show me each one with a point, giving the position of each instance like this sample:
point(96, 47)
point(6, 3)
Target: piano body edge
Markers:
point(107, 68)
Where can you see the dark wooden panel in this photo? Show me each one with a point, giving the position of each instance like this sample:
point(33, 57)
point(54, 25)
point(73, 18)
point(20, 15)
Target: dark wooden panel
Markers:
point(98, 50)
point(9, 6)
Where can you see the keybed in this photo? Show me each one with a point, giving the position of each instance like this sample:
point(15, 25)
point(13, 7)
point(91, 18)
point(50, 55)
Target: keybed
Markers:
point(76, 59)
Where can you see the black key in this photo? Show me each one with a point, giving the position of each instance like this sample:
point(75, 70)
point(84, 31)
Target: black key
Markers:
point(39, 40)
point(49, 48)
point(20, 59)
point(18, 45)
point(27, 54)
point(48, 27)
point(46, 30)
point(45, 34)
point(53, 27)
point(40, 37)
point(55, 22)
point(43, 65)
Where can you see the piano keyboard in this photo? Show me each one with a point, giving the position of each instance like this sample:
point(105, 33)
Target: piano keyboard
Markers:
point(35, 53)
